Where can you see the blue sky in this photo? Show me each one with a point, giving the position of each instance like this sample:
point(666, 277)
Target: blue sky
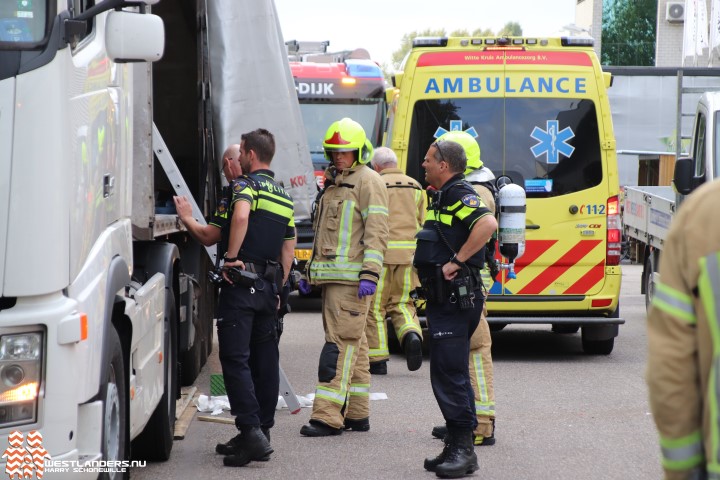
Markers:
point(378, 25)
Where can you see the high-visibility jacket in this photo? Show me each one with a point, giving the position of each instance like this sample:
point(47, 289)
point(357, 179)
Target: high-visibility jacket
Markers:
point(684, 341)
point(407, 202)
point(351, 228)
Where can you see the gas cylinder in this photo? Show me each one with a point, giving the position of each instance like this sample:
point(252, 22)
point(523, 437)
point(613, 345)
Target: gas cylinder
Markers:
point(511, 223)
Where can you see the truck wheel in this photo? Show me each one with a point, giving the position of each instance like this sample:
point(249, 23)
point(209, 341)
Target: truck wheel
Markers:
point(114, 397)
point(650, 274)
point(156, 440)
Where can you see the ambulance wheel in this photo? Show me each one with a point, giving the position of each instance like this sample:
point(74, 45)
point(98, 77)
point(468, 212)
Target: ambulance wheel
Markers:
point(565, 328)
point(114, 405)
point(598, 347)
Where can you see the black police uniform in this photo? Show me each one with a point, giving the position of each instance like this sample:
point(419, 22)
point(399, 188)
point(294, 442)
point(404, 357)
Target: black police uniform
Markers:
point(247, 315)
point(451, 215)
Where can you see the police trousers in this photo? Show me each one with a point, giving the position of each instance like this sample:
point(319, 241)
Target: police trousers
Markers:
point(450, 330)
point(343, 388)
point(481, 376)
point(392, 299)
point(248, 351)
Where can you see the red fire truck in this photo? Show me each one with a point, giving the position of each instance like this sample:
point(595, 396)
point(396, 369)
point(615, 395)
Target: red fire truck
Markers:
point(331, 86)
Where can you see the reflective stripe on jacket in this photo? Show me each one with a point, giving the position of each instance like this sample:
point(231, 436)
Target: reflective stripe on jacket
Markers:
point(406, 202)
point(351, 229)
point(684, 341)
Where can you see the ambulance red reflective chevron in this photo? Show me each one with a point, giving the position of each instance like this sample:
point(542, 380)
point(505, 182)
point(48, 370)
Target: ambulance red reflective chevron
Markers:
point(539, 111)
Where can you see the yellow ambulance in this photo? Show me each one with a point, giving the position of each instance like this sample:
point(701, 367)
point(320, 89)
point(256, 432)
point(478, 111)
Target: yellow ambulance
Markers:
point(539, 110)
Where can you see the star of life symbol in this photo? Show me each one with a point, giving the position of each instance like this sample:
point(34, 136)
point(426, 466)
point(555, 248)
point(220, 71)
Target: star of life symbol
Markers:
point(551, 142)
point(25, 462)
point(455, 126)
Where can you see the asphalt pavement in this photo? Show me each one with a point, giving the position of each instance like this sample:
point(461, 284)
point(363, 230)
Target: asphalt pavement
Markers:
point(561, 414)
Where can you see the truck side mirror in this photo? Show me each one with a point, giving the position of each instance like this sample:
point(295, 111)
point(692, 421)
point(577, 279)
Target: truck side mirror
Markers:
point(683, 176)
point(134, 37)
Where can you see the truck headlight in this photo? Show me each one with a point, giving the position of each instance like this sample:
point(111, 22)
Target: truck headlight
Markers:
point(20, 369)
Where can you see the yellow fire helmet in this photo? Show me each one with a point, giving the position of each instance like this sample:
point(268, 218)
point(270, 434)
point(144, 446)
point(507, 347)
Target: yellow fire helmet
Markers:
point(347, 135)
point(469, 144)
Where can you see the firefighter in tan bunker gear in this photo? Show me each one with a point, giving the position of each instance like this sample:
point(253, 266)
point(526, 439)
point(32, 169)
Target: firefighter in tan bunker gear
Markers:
point(480, 361)
point(684, 341)
point(406, 203)
point(351, 231)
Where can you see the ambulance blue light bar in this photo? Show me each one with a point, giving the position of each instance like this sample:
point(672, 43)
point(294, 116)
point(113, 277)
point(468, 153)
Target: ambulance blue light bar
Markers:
point(577, 42)
point(363, 69)
point(430, 42)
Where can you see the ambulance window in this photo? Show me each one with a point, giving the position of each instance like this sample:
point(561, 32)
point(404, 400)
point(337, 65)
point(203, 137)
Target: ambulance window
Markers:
point(549, 146)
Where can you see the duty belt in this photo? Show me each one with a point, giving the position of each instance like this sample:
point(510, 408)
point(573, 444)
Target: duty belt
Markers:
point(255, 267)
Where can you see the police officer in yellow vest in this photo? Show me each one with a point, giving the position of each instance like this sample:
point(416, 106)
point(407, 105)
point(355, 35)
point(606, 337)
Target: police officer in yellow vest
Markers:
point(260, 252)
point(684, 341)
point(480, 362)
point(406, 202)
point(351, 231)
point(449, 257)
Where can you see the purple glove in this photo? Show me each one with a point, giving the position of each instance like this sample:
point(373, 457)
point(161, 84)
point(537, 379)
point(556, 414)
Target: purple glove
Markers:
point(366, 288)
point(304, 286)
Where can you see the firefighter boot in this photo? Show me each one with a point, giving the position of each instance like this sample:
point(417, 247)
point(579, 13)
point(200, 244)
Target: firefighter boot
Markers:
point(359, 425)
point(412, 346)
point(460, 459)
point(441, 430)
point(378, 368)
point(431, 463)
point(317, 428)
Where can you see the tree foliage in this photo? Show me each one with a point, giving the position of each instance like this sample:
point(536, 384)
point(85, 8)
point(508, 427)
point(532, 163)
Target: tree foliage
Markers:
point(510, 29)
point(628, 32)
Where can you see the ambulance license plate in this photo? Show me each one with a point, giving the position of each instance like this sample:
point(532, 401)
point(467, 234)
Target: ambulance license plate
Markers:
point(303, 254)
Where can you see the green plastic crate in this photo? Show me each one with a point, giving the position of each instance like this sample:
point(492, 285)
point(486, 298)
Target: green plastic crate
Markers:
point(217, 385)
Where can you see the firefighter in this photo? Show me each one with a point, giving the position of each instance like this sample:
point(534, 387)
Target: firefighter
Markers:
point(398, 277)
point(351, 231)
point(449, 257)
point(684, 340)
point(261, 241)
point(480, 361)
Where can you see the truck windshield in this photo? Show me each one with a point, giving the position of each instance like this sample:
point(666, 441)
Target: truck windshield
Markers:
point(23, 24)
point(317, 117)
point(550, 146)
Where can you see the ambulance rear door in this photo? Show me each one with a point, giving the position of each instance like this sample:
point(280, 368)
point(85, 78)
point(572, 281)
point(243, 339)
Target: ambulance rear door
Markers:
point(552, 147)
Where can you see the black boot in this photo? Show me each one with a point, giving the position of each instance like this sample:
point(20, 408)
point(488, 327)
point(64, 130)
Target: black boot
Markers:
point(231, 446)
point(378, 368)
point(431, 463)
point(317, 428)
point(359, 425)
point(254, 443)
point(412, 346)
point(441, 430)
point(461, 459)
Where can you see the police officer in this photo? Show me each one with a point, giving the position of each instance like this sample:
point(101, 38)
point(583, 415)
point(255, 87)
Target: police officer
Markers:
point(480, 361)
point(684, 340)
point(351, 230)
point(261, 244)
point(406, 203)
point(210, 234)
point(449, 256)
